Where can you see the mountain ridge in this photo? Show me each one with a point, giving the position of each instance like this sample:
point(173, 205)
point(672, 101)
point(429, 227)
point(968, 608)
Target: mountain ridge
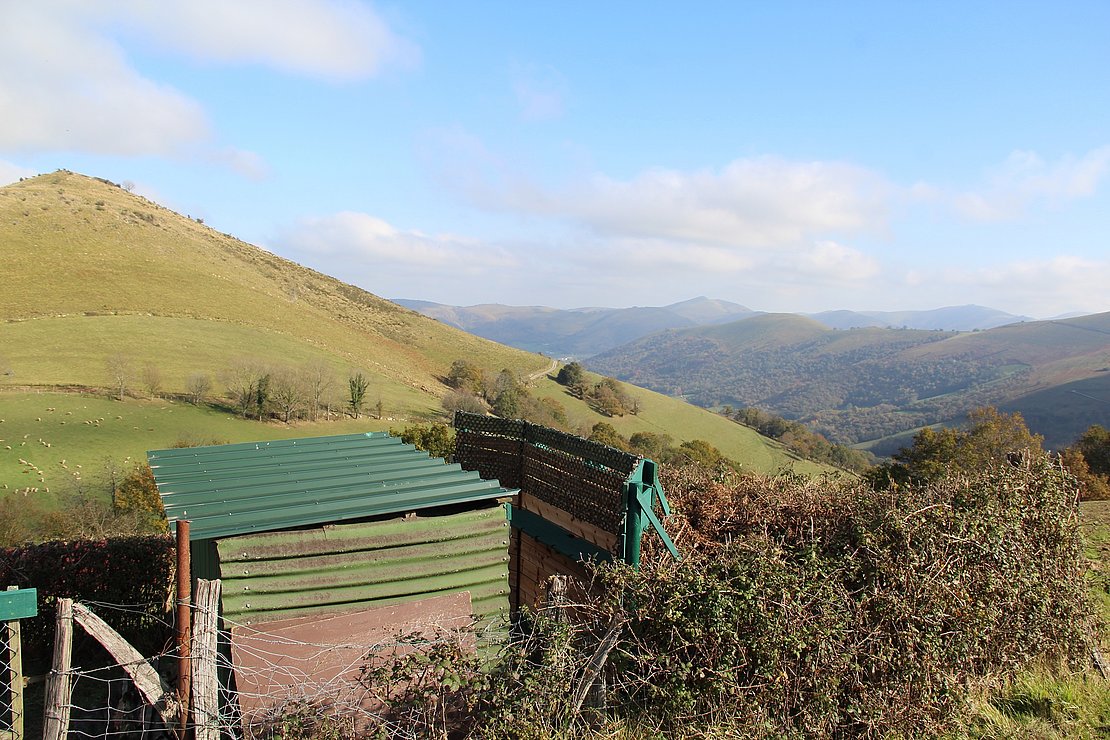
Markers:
point(577, 332)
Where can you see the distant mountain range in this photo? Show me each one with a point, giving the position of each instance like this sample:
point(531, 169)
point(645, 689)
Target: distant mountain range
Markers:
point(868, 386)
point(868, 378)
point(576, 332)
point(585, 332)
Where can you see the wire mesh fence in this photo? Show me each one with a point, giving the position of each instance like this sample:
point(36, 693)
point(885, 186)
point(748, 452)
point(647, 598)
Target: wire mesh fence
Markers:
point(266, 684)
point(11, 704)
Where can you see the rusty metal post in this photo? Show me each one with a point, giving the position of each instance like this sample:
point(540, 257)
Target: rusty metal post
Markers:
point(182, 623)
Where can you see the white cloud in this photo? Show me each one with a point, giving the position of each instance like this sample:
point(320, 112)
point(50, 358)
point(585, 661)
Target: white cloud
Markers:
point(66, 88)
point(67, 85)
point(362, 239)
point(333, 39)
point(750, 204)
point(761, 203)
point(248, 164)
point(837, 262)
point(1025, 179)
point(10, 173)
point(1038, 287)
point(540, 92)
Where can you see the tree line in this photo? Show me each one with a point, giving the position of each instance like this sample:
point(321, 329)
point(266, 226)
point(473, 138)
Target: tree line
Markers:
point(993, 437)
point(258, 390)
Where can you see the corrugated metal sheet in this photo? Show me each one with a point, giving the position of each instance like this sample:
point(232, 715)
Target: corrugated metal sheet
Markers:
point(356, 566)
point(235, 489)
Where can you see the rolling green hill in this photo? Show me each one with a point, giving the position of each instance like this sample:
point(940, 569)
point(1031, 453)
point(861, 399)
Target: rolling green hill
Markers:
point(867, 386)
point(95, 274)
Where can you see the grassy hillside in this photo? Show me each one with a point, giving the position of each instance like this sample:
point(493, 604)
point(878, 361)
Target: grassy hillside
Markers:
point(865, 385)
point(93, 272)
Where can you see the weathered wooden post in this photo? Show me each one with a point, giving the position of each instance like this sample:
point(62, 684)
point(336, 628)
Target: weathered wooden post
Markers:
point(15, 604)
point(182, 623)
point(206, 687)
point(59, 685)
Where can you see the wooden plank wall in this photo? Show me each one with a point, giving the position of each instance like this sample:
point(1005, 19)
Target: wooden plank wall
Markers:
point(535, 565)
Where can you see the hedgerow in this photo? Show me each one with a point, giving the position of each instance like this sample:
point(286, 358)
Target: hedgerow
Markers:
point(134, 574)
point(802, 608)
point(827, 610)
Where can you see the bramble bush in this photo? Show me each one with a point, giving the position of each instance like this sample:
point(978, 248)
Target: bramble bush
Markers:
point(809, 607)
point(802, 608)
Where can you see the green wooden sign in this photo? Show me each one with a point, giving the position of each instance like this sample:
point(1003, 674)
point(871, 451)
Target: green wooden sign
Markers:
point(19, 604)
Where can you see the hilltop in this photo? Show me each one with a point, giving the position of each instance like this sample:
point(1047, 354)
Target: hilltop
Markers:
point(94, 272)
point(866, 386)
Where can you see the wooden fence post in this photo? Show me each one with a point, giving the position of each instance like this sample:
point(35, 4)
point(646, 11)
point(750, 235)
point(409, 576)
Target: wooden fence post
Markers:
point(14, 680)
point(181, 624)
point(59, 685)
point(206, 687)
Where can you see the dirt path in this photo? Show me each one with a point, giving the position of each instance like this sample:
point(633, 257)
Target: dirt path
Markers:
point(540, 373)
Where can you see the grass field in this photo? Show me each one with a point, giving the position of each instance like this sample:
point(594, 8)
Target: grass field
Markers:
point(59, 439)
point(1050, 705)
point(665, 415)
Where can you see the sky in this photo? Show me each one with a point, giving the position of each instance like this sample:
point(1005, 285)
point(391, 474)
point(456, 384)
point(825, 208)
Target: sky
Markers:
point(787, 156)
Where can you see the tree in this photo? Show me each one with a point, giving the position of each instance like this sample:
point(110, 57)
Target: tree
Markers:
point(241, 384)
point(1089, 461)
point(1092, 486)
point(465, 376)
point(152, 379)
point(286, 393)
point(700, 452)
point(651, 444)
point(438, 440)
point(138, 494)
point(120, 373)
point(1095, 446)
point(507, 393)
point(357, 385)
point(463, 401)
point(992, 438)
point(319, 382)
point(604, 433)
point(197, 386)
point(570, 375)
point(262, 396)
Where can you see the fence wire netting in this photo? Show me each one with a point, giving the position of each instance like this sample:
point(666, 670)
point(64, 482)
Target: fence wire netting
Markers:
point(269, 685)
point(11, 711)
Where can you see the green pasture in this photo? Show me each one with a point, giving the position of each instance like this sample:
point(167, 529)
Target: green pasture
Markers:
point(55, 441)
point(662, 414)
point(74, 350)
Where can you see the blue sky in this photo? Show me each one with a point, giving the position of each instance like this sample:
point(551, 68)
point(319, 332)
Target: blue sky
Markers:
point(788, 156)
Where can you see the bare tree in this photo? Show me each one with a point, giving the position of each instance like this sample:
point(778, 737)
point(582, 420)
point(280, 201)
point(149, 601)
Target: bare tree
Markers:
point(197, 387)
point(286, 393)
point(120, 373)
point(319, 384)
point(242, 382)
point(152, 379)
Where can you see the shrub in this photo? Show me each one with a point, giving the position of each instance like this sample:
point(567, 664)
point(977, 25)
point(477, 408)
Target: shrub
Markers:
point(135, 572)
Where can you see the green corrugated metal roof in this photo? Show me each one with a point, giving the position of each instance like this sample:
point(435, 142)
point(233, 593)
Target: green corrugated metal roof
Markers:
point(227, 490)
